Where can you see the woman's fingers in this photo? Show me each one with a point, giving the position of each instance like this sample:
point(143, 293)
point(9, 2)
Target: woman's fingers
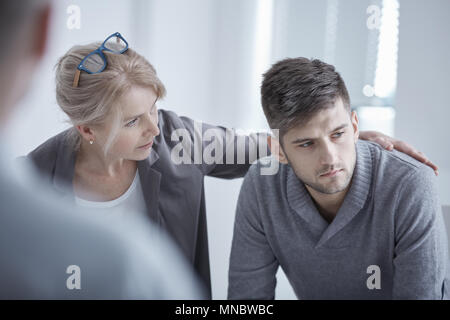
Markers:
point(390, 143)
point(416, 154)
point(385, 143)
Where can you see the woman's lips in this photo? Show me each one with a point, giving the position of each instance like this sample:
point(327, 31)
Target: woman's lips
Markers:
point(331, 173)
point(146, 146)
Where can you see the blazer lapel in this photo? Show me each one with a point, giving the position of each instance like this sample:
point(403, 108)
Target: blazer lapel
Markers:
point(151, 181)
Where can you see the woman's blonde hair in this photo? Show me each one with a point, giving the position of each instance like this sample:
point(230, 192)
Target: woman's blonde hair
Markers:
point(97, 94)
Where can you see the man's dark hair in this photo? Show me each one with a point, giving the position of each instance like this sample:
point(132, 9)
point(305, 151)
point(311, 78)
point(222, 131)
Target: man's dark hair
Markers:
point(294, 90)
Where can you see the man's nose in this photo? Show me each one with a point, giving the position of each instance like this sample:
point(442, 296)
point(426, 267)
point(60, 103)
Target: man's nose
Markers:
point(328, 154)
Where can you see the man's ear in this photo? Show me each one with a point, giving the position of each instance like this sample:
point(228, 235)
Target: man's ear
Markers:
point(355, 123)
point(276, 149)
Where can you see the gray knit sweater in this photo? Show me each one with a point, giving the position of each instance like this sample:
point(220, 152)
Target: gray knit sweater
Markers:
point(387, 241)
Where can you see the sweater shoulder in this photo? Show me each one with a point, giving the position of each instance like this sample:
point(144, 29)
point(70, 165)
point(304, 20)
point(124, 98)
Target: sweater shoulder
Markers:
point(395, 165)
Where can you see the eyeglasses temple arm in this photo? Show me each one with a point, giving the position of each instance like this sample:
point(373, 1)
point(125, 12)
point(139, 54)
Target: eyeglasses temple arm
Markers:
point(76, 79)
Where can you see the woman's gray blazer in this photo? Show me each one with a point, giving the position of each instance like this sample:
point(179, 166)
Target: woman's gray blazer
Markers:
point(174, 193)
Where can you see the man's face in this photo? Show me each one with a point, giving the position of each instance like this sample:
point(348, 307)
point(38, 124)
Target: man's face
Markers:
point(322, 151)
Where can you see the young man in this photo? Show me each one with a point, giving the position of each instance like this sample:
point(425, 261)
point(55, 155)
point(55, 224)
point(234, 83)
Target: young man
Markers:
point(344, 218)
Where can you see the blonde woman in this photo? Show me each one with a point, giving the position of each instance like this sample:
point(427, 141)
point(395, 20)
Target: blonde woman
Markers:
point(117, 157)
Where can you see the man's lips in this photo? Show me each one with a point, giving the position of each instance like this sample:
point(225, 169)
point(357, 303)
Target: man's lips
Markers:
point(331, 173)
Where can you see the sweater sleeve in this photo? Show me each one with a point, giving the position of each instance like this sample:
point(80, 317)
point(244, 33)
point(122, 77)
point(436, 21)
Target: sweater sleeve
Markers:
point(421, 253)
point(253, 266)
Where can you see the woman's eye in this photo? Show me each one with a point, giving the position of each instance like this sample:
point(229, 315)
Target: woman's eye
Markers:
point(132, 122)
point(338, 134)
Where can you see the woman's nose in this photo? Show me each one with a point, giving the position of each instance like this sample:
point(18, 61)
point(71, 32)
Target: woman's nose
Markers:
point(152, 126)
point(155, 131)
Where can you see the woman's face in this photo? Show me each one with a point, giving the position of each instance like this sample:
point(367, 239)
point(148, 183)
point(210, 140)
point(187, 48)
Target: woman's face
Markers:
point(138, 128)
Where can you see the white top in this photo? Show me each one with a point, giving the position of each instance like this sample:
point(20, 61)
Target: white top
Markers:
point(131, 204)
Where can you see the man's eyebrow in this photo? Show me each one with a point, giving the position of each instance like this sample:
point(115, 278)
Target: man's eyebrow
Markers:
point(138, 115)
point(302, 140)
point(342, 126)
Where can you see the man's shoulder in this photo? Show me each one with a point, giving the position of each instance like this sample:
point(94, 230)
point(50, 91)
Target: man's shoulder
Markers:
point(396, 167)
point(36, 221)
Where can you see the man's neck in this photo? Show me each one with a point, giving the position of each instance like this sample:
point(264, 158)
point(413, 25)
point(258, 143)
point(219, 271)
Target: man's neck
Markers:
point(328, 204)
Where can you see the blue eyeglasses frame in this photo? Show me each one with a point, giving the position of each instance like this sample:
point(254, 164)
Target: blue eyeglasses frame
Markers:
point(100, 50)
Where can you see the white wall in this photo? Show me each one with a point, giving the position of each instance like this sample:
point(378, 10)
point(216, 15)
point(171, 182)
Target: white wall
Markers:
point(422, 103)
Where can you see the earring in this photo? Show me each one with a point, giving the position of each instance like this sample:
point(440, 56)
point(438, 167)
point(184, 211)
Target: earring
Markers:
point(91, 141)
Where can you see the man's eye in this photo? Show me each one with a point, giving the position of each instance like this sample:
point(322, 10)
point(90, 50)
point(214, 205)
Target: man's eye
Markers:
point(305, 145)
point(132, 122)
point(338, 134)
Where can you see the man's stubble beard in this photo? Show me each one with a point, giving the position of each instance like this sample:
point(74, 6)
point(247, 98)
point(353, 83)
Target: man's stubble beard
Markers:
point(323, 189)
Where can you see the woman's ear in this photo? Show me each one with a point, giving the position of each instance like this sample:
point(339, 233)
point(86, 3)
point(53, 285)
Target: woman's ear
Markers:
point(86, 132)
point(355, 122)
point(276, 149)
